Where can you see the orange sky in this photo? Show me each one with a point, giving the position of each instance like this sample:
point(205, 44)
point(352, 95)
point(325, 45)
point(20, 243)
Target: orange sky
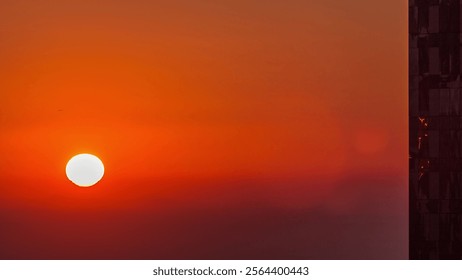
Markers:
point(306, 102)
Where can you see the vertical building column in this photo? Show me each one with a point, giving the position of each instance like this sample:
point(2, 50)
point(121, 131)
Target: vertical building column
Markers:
point(435, 130)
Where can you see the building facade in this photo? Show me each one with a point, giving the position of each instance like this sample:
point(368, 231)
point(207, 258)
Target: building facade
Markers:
point(435, 129)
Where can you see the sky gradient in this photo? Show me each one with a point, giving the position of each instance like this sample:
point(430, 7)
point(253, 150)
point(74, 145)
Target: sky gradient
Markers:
point(228, 129)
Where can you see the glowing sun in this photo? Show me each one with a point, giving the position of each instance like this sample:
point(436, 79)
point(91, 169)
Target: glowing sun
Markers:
point(84, 170)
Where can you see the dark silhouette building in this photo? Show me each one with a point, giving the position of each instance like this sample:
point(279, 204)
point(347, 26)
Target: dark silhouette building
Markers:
point(435, 129)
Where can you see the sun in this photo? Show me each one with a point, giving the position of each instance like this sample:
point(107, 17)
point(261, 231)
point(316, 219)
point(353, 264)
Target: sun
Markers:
point(84, 170)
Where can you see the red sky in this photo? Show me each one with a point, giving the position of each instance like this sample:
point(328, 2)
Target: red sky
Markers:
point(229, 129)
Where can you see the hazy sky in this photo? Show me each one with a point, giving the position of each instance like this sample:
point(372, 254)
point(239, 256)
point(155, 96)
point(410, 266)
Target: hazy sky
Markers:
point(229, 129)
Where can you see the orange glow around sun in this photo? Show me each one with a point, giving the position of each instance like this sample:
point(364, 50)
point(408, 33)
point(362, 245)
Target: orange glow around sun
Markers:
point(196, 109)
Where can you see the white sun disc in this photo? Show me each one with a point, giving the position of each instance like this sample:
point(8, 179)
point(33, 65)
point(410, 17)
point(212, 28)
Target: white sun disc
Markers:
point(85, 170)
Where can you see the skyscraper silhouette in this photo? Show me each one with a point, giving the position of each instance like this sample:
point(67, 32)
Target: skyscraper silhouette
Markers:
point(435, 129)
